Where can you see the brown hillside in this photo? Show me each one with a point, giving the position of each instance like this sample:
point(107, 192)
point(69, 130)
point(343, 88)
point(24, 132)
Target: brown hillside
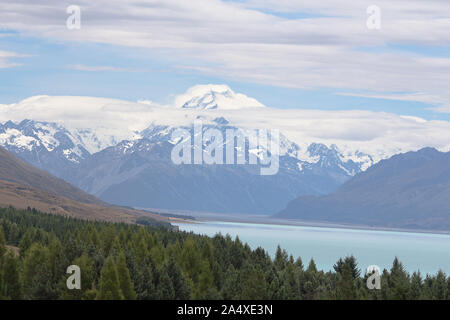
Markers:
point(23, 186)
point(15, 170)
point(22, 197)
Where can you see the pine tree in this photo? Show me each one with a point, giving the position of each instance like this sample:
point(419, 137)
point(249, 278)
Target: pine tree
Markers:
point(37, 274)
point(351, 261)
point(205, 280)
point(277, 285)
point(309, 282)
point(109, 286)
point(399, 286)
point(312, 266)
point(299, 264)
point(179, 283)
point(231, 286)
point(346, 289)
point(107, 237)
point(144, 280)
point(415, 292)
point(164, 286)
point(124, 278)
point(427, 293)
point(57, 260)
point(281, 258)
point(290, 277)
point(439, 287)
point(254, 285)
point(10, 282)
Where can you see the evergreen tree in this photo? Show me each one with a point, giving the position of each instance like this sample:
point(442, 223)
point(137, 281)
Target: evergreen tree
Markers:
point(9, 277)
point(439, 287)
point(309, 282)
point(415, 291)
point(399, 286)
point(277, 285)
point(124, 278)
point(144, 280)
point(38, 282)
point(179, 283)
point(290, 276)
point(351, 262)
point(57, 260)
point(299, 264)
point(231, 286)
point(164, 287)
point(253, 283)
point(346, 287)
point(205, 280)
point(109, 286)
point(281, 258)
point(107, 237)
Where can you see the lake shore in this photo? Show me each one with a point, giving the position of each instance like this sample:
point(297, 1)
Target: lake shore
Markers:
point(263, 219)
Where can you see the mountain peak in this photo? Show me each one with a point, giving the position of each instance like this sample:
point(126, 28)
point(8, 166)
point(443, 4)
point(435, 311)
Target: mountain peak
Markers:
point(211, 96)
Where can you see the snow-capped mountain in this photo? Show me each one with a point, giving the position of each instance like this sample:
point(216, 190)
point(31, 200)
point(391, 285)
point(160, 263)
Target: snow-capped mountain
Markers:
point(48, 146)
point(141, 173)
point(207, 97)
point(120, 151)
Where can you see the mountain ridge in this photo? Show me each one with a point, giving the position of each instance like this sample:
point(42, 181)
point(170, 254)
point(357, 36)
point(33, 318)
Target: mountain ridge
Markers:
point(23, 186)
point(15, 170)
point(409, 190)
point(100, 148)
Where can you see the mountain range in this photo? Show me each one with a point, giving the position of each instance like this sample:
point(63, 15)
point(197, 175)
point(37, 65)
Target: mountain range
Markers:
point(120, 151)
point(410, 190)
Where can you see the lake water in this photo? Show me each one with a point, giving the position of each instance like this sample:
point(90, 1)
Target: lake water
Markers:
point(417, 251)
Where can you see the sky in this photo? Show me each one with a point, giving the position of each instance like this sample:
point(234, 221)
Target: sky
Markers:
point(288, 54)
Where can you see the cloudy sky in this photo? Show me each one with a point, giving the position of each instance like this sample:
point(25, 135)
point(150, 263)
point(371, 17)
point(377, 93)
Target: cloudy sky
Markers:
point(323, 55)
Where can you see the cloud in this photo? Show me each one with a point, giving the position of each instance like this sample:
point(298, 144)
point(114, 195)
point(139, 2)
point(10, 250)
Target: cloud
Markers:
point(5, 59)
point(254, 41)
point(81, 67)
point(442, 103)
point(379, 134)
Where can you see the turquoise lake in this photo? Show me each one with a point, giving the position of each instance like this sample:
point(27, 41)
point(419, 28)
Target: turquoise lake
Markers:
point(426, 252)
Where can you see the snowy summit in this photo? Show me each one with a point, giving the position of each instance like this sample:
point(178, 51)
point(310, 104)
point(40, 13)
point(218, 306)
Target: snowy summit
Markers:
point(206, 97)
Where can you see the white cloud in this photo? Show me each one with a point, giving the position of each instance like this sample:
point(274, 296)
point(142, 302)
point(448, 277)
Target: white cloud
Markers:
point(5, 59)
point(81, 67)
point(379, 134)
point(442, 102)
point(240, 41)
point(212, 96)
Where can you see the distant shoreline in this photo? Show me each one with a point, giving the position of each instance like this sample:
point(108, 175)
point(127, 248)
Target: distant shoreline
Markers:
point(252, 219)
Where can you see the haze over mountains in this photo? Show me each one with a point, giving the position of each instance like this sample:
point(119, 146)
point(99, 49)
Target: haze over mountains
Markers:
point(410, 190)
point(23, 186)
point(120, 151)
